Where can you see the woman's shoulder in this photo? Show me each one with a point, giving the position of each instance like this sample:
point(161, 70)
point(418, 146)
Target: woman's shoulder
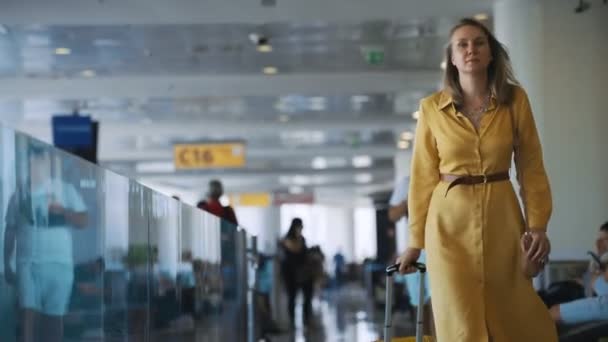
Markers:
point(435, 98)
point(519, 93)
point(289, 244)
point(433, 104)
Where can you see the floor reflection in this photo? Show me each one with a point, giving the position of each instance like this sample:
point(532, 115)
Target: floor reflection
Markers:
point(346, 315)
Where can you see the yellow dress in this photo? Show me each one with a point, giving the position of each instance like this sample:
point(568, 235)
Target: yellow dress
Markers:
point(471, 234)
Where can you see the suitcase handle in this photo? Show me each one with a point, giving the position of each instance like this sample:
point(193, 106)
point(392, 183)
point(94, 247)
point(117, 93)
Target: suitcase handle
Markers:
point(388, 315)
point(395, 267)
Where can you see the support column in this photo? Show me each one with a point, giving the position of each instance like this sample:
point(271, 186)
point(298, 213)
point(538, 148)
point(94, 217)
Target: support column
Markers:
point(518, 24)
point(341, 233)
point(402, 162)
point(559, 56)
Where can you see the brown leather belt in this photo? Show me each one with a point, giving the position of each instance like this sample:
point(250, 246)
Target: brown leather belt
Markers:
point(472, 180)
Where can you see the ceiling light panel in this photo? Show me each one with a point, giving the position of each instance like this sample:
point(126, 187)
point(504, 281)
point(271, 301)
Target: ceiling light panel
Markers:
point(148, 49)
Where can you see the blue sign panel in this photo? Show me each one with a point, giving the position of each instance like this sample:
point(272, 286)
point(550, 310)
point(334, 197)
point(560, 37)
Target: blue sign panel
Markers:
point(71, 131)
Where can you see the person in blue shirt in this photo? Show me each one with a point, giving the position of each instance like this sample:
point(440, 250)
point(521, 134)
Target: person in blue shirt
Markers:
point(40, 217)
point(398, 213)
point(594, 307)
point(339, 264)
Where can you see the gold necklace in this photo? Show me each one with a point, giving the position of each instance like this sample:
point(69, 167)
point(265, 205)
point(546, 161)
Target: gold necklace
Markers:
point(475, 114)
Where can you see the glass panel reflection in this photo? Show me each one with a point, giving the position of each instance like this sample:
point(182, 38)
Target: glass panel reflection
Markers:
point(87, 254)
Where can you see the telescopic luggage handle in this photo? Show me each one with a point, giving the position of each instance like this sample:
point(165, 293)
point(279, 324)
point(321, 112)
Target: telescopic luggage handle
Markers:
point(395, 267)
point(388, 315)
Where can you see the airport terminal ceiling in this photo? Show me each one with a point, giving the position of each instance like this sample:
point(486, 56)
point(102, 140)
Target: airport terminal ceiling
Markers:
point(320, 98)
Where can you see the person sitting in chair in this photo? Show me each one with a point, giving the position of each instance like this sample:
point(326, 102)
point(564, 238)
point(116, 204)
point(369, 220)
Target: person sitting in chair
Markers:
point(594, 307)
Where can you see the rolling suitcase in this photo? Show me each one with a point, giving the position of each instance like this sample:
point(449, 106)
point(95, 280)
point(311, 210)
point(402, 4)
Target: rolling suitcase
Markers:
point(388, 313)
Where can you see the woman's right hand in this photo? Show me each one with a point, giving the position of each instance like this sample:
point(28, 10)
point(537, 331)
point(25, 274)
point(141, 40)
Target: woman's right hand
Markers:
point(407, 259)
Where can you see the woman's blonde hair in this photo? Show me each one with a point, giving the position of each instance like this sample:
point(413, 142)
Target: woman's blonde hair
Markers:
point(500, 73)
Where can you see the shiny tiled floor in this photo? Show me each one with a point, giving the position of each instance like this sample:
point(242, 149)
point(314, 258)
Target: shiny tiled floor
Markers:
point(344, 315)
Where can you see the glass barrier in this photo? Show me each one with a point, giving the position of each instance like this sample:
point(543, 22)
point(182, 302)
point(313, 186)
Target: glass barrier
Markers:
point(89, 255)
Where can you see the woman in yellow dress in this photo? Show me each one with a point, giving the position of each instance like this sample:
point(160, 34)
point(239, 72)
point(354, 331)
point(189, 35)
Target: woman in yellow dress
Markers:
point(481, 252)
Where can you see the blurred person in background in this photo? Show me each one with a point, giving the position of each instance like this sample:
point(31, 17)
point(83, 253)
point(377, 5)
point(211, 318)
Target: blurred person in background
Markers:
point(296, 273)
point(595, 283)
point(39, 219)
point(212, 203)
point(228, 240)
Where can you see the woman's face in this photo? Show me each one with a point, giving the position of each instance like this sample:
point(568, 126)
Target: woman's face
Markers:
point(299, 231)
point(470, 50)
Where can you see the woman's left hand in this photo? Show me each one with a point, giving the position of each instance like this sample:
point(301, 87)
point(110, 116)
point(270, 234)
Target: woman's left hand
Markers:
point(540, 247)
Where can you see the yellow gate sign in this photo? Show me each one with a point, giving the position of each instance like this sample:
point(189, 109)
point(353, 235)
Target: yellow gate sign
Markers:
point(209, 155)
point(254, 199)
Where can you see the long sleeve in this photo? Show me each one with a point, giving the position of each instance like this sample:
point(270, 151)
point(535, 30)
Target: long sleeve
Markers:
point(533, 181)
point(424, 176)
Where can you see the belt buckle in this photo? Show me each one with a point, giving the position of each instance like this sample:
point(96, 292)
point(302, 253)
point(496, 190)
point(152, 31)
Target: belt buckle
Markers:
point(485, 179)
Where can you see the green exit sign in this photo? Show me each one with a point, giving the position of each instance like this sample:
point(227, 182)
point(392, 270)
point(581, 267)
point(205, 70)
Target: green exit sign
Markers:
point(374, 57)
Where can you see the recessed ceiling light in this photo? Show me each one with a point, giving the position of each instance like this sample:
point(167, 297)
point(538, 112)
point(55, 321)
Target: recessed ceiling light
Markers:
point(270, 70)
point(403, 144)
point(154, 167)
point(62, 51)
point(481, 16)
point(296, 189)
point(319, 163)
point(317, 103)
point(300, 180)
point(88, 73)
point(254, 37)
point(265, 48)
point(37, 40)
point(362, 161)
point(284, 105)
point(416, 115)
point(363, 178)
point(360, 98)
point(407, 135)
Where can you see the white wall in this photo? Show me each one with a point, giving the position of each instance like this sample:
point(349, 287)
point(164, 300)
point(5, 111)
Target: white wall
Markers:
point(335, 228)
point(264, 222)
point(365, 233)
